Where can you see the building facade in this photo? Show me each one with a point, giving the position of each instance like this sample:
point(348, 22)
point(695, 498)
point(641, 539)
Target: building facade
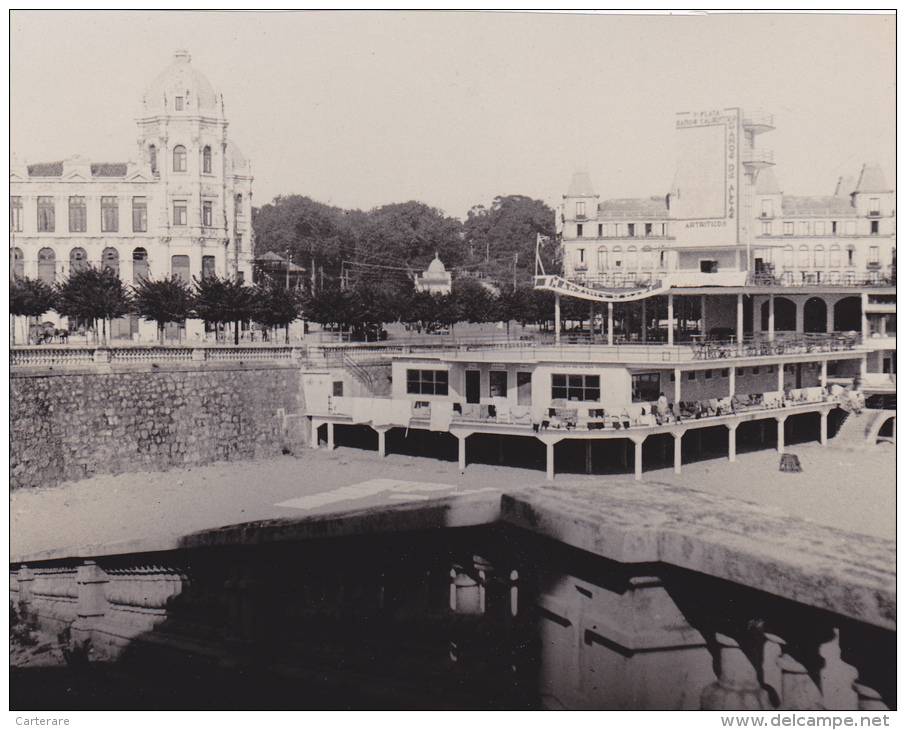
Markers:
point(182, 207)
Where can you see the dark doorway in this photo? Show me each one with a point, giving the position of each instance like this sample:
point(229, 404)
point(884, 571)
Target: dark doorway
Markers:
point(815, 315)
point(473, 386)
point(848, 315)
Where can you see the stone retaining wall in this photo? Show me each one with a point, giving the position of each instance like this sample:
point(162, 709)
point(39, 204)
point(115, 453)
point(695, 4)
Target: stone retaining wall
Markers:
point(74, 425)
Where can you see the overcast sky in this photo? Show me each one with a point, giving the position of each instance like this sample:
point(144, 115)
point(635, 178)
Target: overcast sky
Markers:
point(361, 109)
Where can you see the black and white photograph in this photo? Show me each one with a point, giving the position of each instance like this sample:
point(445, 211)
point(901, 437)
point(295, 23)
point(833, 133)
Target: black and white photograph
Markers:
point(452, 361)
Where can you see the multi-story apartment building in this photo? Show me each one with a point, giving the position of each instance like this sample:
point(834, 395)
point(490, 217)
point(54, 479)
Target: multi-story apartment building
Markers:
point(181, 207)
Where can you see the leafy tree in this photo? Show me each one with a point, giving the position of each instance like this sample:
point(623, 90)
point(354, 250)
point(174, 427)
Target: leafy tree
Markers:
point(474, 302)
point(331, 306)
point(409, 234)
point(514, 303)
point(220, 300)
point(93, 294)
point(504, 236)
point(29, 298)
point(276, 306)
point(167, 300)
point(316, 234)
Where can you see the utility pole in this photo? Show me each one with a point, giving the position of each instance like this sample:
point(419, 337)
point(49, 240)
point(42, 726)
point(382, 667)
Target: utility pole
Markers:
point(287, 268)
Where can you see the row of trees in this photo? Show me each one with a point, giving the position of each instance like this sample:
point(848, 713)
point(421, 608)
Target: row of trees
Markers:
point(93, 295)
point(496, 242)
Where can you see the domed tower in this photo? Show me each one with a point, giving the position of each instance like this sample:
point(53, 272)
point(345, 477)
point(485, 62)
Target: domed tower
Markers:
point(203, 210)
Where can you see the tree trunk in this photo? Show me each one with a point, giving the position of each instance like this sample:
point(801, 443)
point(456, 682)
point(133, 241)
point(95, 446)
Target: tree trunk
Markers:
point(236, 333)
point(160, 332)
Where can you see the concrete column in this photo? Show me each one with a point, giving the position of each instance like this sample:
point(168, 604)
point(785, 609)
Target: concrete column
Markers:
point(462, 453)
point(591, 320)
point(704, 320)
point(864, 316)
point(382, 442)
point(677, 384)
point(731, 427)
point(610, 323)
point(770, 317)
point(824, 427)
point(781, 420)
point(330, 445)
point(638, 458)
point(830, 317)
point(732, 380)
point(313, 441)
point(824, 373)
point(863, 368)
point(677, 452)
point(739, 320)
point(644, 321)
point(557, 318)
point(780, 367)
point(670, 318)
point(550, 461)
point(800, 316)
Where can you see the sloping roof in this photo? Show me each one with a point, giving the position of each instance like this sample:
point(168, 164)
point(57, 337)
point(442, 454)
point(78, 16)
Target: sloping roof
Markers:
point(45, 169)
point(580, 186)
point(816, 205)
point(766, 183)
point(653, 207)
point(108, 169)
point(872, 180)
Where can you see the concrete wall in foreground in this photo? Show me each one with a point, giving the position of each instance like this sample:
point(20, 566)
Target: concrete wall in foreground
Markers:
point(74, 425)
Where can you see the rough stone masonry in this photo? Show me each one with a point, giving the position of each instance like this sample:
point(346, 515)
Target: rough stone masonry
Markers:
point(71, 426)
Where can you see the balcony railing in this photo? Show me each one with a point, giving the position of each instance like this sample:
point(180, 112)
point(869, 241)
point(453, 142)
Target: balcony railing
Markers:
point(788, 279)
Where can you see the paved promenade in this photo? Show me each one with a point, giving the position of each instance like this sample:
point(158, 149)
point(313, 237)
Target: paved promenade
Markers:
point(852, 491)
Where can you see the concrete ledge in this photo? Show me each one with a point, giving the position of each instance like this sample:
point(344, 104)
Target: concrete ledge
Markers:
point(847, 573)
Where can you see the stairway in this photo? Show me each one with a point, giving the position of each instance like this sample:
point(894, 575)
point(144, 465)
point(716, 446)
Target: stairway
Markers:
point(855, 429)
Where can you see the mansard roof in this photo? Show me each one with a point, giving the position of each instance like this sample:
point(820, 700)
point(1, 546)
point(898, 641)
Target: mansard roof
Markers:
point(872, 180)
point(108, 169)
point(653, 207)
point(580, 186)
point(98, 169)
point(46, 169)
point(809, 205)
point(766, 183)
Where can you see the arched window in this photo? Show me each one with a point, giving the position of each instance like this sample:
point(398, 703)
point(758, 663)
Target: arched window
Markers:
point(632, 258)
point(16, 263)
point(835, 255)
point(152, 156)
point(47, 266)
point(78, 260)
point(803, 257)
point(647, 258)
point(787, 258)
point(617, 257)
point(179, 158)
point(206, 160)
point(140, 269)
point(110, 259)
point(602, 258)
point(237, 204)
point(820, 261)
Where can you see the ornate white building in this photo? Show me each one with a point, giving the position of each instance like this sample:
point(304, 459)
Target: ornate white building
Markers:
point(181, 207)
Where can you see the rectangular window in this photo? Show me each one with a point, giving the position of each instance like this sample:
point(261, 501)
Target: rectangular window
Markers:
point(207, 213)
point(427, 382)
point(834, 228)
point(576, 387)
point(874, 206)
point(707, 374)
point(691, 375)
point(755, 371)
point(180, 213)
point(139, 215)
point(631, 228)
point(600, 230)
point(15, 213)
point(179, 103)
point(337, 388)
point(740, 372)
point(648, 229)
point(874, 255)
point(78, 214)
point(803, 228)
point(788, 228)
point(110, 215)
point(579, 230)
point(646, 387)
point(207, 266)
point(497, 382)
point(580, 210)
point(767, 208)
point(766, 228)
point(46, 219)
point(725, 373)
point(874, 228)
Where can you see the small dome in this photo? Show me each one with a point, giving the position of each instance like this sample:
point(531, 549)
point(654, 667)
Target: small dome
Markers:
point(180, 80)
point(436, 268)
point(236, 157)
